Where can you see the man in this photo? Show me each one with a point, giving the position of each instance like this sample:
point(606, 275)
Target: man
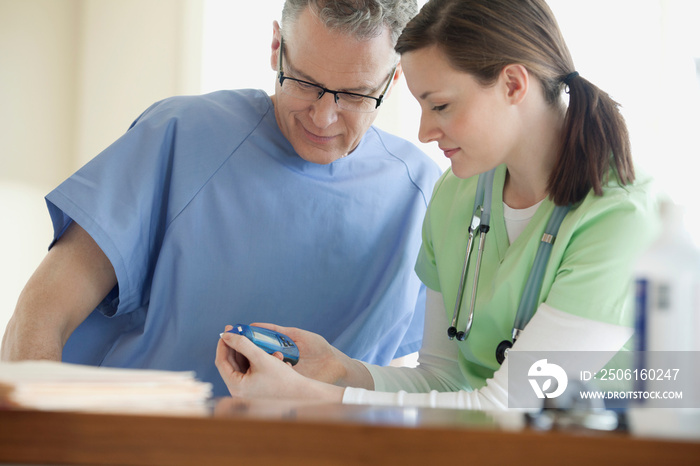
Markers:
point(240, 207)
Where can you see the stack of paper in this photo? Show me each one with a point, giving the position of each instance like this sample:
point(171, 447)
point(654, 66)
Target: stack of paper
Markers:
point(49, 385)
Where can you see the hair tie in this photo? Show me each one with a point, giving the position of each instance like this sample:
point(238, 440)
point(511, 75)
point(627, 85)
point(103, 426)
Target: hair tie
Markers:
point(569, 77)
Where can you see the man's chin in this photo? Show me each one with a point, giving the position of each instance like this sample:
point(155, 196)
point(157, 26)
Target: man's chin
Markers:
point(320, 157)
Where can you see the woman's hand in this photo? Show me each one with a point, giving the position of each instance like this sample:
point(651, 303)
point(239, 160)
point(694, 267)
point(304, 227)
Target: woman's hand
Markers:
point(321, 361)
point(250, 372)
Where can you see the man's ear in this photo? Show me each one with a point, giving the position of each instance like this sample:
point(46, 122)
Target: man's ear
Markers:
point(394, 80)
point(516, 80)
point(275, 46)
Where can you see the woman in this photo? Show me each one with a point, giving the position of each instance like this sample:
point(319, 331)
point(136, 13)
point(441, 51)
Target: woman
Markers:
point(491, 77)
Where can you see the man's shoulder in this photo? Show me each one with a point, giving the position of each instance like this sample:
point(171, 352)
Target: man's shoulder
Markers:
point(215, 108)
point(417, 163)
point(396, 145)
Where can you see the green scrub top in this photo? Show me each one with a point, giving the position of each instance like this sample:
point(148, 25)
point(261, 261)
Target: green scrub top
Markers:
point(589, 273)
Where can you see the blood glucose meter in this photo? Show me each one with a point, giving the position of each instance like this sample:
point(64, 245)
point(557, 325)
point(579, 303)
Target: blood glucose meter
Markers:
point(270, 341)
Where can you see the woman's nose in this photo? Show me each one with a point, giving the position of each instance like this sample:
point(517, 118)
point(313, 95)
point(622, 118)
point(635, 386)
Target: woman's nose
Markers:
point(427, 131)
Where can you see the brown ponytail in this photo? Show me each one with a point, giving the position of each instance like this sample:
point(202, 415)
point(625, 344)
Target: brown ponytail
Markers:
point(481, 37)
point(594, 140)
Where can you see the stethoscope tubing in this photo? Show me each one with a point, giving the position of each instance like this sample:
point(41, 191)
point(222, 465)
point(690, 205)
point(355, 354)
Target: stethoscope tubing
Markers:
point(481, 216)
point(533, 286)
point(475, 284)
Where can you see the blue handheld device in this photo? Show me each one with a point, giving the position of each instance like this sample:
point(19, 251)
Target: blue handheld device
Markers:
point(270, 341)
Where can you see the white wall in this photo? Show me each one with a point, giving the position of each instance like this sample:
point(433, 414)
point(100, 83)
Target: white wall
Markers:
point(37, 124)
point(132, 53)
point(37, 88)
point(73, 75)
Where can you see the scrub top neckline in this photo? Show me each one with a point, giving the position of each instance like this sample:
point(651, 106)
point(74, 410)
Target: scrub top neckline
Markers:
point(299, 163)
point(498, 223)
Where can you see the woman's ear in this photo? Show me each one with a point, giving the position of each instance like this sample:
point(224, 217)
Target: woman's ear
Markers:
point(517, 81)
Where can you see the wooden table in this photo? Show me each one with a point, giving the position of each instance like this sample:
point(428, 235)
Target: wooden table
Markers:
point(284, 433)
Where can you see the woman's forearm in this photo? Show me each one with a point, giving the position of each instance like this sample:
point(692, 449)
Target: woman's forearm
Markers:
point(355, 373)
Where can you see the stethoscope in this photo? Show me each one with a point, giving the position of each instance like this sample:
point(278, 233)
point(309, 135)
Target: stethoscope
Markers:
point(481, 217)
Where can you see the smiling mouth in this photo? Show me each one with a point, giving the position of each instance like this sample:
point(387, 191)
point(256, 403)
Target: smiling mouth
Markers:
point(449, 152)
point(316, 138)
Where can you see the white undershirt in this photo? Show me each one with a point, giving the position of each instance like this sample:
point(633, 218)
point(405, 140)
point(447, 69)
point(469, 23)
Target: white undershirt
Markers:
point(517, 219)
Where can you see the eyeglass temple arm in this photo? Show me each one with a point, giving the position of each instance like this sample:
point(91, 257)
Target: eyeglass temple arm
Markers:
point(280, 71)
point(380, 99)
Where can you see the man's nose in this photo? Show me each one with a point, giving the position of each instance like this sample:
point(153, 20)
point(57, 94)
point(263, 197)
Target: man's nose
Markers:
point(324, 111)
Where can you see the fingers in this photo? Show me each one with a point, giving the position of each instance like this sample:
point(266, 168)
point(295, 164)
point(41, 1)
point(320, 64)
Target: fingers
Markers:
point(225, 359)
point(236, 353)
point(228, 358)
point(240, 362)
point(242, 346)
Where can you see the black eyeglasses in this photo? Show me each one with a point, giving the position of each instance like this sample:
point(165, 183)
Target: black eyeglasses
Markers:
point(305, 90)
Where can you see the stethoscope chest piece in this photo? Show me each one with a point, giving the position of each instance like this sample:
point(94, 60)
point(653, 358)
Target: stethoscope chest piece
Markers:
point(502, 350)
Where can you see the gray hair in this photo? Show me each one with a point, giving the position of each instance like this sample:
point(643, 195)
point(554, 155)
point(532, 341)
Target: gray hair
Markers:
point(362, 18)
